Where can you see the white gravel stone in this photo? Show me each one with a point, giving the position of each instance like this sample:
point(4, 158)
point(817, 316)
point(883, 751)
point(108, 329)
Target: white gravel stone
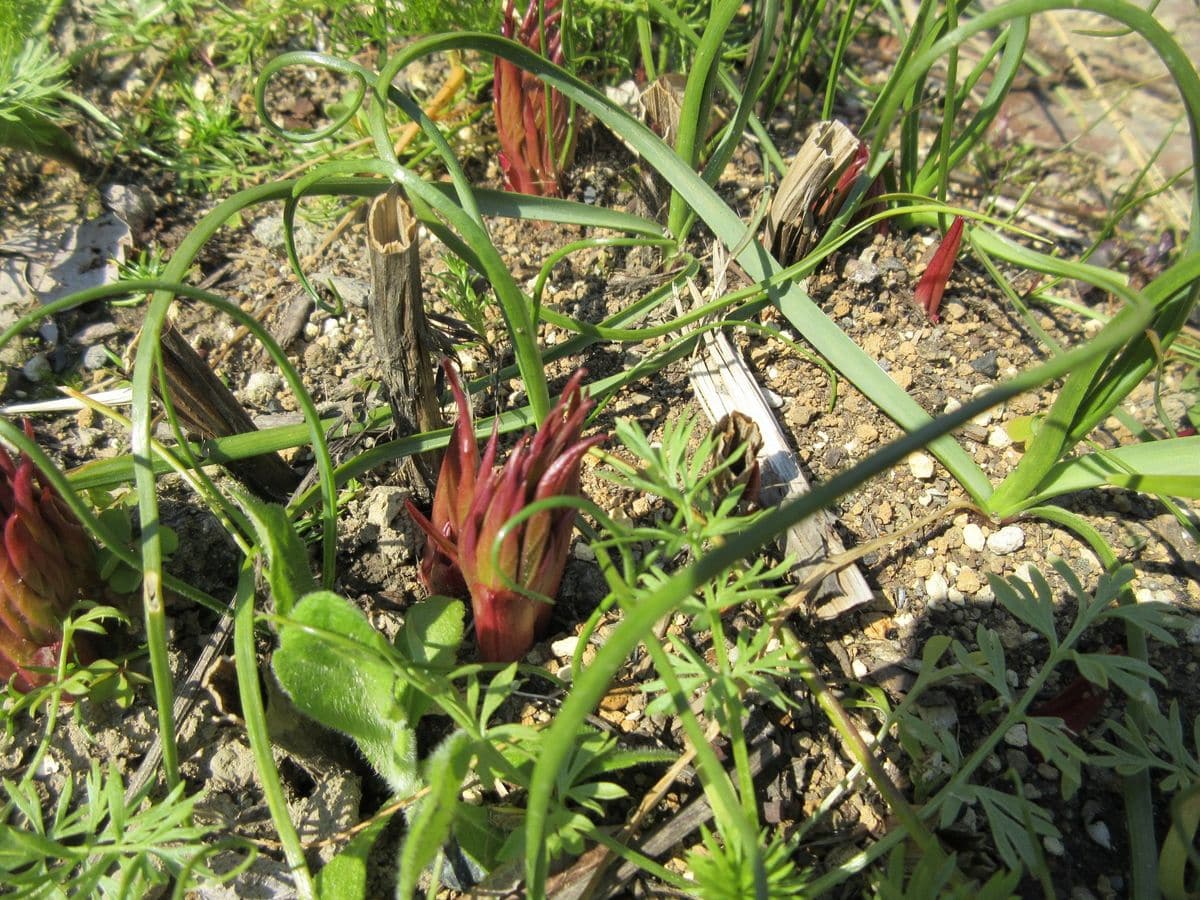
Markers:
point(1099, 833)
point(584, 551)
point(973, 537)
point(999, 438)
point(921, 466)
point(564, 648)
point(936, 587)
point(1007, 540)
point(1017, 736)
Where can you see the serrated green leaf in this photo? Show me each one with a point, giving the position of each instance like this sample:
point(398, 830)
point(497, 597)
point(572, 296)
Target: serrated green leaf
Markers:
point(1153, 617)
point(1022, 602)
point(1050, 738)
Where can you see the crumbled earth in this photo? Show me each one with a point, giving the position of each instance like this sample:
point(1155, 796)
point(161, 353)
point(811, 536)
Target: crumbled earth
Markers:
point(931, 582)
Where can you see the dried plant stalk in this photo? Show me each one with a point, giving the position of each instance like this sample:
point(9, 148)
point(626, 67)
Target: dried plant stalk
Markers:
point(401, 333)
point(208, 409)
point(791, 223)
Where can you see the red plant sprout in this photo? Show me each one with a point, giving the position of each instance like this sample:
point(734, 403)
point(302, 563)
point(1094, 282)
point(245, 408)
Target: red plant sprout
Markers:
point(933, 282)
point(835, 198)
point(531, 119)
point(47, 563)
point(511, 596)
point(439, 570)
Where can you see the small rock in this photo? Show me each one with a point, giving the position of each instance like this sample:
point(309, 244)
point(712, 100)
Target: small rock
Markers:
point(943, 717)
point(861, 272)
point(95, 357)
point(584, 551)
point(261, 389)
point(1025, 572)
point(801, 415)
point(1007, 540)
point(37, 368)
point(921, 466)
point(94, 333)
point(936, 587)
point(1099, 833)
point(564, 648)
point(999, 438)
point(973, 537)
point(1053, 845)
point(986, 365)
point(866, 432)
point(1017, 736)
point(384, 505)
point(48, 331)
point(133, 204)
point(968, 582)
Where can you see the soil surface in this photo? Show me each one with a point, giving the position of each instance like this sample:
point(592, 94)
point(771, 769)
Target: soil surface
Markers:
point(931, 582)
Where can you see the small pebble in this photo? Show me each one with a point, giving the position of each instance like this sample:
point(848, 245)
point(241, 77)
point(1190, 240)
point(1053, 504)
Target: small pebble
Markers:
point(261, 388)
point(1099, 833)
point(37, 368)
point(1053, 845)
point(1007, 540)
point(999, 438)
point(973, 537)
point(968, 582)
point(936, 587)
point(986, 365)
point(564, 648)
point(921, 466)
point(866, 432)
point(584, 552)
point(95, 357)
point(1017, 736)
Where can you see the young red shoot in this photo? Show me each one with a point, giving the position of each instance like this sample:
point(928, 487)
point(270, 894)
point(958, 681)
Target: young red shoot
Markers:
point(47, 563)
point(475, 500)
point(531, 119)
point(933, 282)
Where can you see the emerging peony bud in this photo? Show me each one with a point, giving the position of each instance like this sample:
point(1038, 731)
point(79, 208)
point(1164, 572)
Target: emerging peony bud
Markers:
point(933, 282)
point(451, 500)
point(47, 563)
point(511, 597)
point(531, 119)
